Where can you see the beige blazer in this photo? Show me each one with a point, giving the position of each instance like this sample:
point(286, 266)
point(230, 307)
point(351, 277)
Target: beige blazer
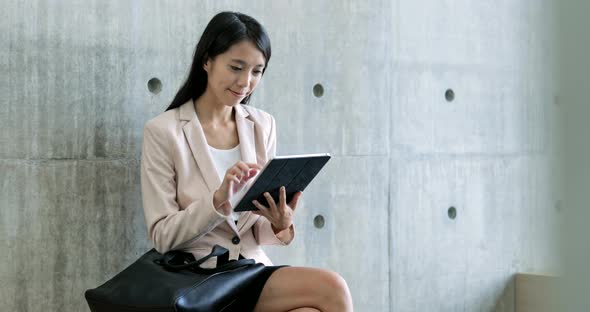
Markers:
point(178, 179)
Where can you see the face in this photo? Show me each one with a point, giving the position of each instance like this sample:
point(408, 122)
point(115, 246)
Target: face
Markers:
point(234, 74)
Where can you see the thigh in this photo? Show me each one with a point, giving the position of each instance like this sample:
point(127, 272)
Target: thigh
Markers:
point(292, 288)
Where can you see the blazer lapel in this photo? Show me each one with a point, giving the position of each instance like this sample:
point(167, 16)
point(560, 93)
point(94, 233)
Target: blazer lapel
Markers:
point(246, 134)
point(197, 141)
point(248, 142)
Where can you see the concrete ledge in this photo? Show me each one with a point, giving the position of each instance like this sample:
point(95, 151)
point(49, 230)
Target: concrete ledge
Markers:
point(535, 292)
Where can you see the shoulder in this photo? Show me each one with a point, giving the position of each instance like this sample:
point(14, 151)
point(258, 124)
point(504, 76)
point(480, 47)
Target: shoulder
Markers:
point(163, 120)
point(164, 123)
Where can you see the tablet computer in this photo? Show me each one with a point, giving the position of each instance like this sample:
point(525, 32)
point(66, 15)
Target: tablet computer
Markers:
point(294, 172)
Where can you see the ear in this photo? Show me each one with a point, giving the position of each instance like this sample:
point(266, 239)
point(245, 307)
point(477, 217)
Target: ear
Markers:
point(206, 63)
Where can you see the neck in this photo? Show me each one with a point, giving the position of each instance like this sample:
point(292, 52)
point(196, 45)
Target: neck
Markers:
point(211, 112)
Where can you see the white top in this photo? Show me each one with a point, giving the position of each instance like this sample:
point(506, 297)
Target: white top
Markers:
point(223, 160)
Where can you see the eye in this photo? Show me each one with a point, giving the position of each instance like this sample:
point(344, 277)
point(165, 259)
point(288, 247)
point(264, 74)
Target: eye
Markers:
point(257, 72)
point(235, 68)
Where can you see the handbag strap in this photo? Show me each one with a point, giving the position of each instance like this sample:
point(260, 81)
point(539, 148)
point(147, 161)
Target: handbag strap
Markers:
point(177, 260)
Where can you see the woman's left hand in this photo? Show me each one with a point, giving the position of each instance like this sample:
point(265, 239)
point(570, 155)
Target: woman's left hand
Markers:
point(281, 216)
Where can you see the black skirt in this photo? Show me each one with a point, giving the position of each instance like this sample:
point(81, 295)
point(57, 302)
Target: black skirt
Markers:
point(248, 299)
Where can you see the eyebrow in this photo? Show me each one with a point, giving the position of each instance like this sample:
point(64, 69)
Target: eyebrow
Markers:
point(244, 63)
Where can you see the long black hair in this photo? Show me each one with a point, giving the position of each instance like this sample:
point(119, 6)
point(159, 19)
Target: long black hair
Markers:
point(224, 30)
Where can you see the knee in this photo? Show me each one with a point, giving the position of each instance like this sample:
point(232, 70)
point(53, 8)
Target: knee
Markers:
point(337, 292)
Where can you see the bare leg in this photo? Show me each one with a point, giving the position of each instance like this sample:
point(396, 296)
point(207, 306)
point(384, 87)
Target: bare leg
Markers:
point(309, 289)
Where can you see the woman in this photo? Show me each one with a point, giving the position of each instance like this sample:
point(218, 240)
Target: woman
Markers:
point(205, 148)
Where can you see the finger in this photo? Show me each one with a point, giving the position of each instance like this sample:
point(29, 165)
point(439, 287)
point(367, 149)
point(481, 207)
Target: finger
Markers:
point(234, 172)
point(245, 171)
point(230, 188)
point(295, 200)
point(247, 167)
point(232, 177)
point(282, 197)
point(271, 202)
point(242, 167)
point(251, 173)
point(260, 213)
point(262, 210)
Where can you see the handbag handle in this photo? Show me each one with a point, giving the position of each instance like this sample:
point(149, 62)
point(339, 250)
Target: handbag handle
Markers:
point(171, 258)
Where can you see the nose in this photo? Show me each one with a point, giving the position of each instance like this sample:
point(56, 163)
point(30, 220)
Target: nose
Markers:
point(244, 80)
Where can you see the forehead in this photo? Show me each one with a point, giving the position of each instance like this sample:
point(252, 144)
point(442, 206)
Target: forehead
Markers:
point(245, 51)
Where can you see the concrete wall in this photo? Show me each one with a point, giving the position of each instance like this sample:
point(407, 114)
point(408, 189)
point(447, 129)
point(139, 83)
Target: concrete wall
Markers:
point(75, 98)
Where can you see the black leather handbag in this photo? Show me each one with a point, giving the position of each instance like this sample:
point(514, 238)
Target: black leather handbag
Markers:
point(175, 282)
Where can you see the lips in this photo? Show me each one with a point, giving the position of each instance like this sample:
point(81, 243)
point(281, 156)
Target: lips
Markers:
point(237, 94)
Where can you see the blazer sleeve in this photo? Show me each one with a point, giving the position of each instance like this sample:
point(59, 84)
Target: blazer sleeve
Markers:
point(170, 227)
point(262, 228)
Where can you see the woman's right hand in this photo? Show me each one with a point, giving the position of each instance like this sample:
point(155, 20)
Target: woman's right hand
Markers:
point(234, 180)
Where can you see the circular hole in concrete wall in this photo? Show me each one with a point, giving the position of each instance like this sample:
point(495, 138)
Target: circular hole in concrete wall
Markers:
point(319, 221)
point(452, 212)
point(318, 90)
point(450, 95)
point(155, 85)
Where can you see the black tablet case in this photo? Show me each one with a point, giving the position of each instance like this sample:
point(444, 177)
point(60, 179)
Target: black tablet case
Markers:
point(293, 173)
